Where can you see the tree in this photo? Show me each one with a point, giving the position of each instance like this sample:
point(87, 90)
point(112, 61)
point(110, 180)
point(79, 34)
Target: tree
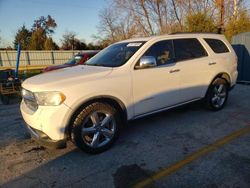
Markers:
point(80, 45)
point(135, 18)
point(70, 42)
point(238, 24)
point(91, 46)
point(47, 24)
point(42, 30)
point(23, 37)
point(200, 22)
point(108, 24)
point(49, 44)
point(114, 27)
point(38, 39)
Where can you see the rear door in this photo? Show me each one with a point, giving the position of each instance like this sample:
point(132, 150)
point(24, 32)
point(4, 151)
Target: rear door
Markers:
point(222, 59)
point(193, 60)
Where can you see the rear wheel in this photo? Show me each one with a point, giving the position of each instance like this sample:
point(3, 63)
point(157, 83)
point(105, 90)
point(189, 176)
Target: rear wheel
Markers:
point(96, 127)
point(217, 94)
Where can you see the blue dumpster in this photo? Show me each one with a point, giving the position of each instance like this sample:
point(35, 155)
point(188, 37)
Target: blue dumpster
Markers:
point(241, 45)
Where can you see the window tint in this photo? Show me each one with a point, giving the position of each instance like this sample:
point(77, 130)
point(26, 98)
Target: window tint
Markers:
point(188, 49)
point(217, 45)
point(162, 51)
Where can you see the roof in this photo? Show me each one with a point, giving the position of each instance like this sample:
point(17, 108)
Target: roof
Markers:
point(171, 35)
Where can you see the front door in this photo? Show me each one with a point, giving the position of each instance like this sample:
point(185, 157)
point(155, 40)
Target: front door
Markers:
point(156, 87)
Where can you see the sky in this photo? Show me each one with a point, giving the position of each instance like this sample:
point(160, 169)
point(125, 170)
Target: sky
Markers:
point(79, 16)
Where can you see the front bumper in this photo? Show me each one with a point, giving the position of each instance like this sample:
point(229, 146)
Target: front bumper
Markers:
point(44, 140)
point(48, 123)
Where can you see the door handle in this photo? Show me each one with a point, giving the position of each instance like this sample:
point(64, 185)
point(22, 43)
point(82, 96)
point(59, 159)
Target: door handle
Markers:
point(174, 70)
point(211, 63)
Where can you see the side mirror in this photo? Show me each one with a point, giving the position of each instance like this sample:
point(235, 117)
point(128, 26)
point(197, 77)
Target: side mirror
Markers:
point(147, 62)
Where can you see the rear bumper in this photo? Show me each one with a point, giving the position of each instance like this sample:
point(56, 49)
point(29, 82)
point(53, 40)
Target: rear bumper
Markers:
point(44, 140)
point(234, 76)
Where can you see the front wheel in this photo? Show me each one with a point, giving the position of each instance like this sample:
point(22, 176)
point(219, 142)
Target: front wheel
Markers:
point(96, 127)
point(217, 94)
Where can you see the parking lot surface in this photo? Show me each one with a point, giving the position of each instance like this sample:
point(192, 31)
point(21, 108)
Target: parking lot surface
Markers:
point(185, 147)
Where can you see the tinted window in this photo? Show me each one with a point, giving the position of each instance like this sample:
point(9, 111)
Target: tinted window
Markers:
point(188, 49)
point(162, 51)
point(217, 45)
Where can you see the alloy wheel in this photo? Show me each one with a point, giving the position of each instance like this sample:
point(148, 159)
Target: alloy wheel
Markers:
point(219, 95)
point(98, 129)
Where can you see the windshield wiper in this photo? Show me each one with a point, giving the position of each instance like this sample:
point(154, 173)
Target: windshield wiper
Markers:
point(99, 65)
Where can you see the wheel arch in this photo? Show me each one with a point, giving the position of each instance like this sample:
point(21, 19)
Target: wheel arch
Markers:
point(117, 103)
point(223, 75)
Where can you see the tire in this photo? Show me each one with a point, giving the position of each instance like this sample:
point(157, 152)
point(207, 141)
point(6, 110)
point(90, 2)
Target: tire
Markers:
point(96, 128)
point(217, 94)
point(5, 99)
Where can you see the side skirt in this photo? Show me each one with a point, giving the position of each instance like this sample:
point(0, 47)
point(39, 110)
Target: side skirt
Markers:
point(163, 109)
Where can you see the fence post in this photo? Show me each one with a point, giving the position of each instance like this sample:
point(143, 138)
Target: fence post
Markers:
point(28, 57)
point(1, 61)
point(52, 57)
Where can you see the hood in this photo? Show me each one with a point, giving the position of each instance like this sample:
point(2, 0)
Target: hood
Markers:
point(56, 67)
point(58, 79)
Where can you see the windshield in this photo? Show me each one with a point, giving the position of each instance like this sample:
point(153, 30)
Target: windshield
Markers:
point(74, 60)
point(115, 55)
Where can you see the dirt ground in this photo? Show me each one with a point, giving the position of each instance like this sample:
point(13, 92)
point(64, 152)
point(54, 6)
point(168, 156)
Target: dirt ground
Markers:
point(183, 139)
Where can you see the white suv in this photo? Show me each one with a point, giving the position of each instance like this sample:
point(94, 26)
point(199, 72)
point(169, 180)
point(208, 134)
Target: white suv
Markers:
point(130, 79)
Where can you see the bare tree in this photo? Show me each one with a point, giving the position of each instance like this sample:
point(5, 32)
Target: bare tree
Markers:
point(126, 18)
point(176, 13)
point(69, 41)
point(108, 21)
point(116, 26)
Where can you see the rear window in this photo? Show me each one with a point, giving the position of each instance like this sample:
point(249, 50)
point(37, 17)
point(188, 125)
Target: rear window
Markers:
point(217, 45)
point(188, 49)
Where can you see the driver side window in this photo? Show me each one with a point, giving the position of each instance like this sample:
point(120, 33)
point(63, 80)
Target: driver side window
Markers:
point(162, 51)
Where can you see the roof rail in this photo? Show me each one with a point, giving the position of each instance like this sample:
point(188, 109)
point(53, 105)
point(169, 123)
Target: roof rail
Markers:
point(193, 33)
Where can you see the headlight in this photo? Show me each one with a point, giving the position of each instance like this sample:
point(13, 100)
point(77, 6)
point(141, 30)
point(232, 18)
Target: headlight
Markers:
point(26, 94)
point(29, 99)
point(50, 98)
